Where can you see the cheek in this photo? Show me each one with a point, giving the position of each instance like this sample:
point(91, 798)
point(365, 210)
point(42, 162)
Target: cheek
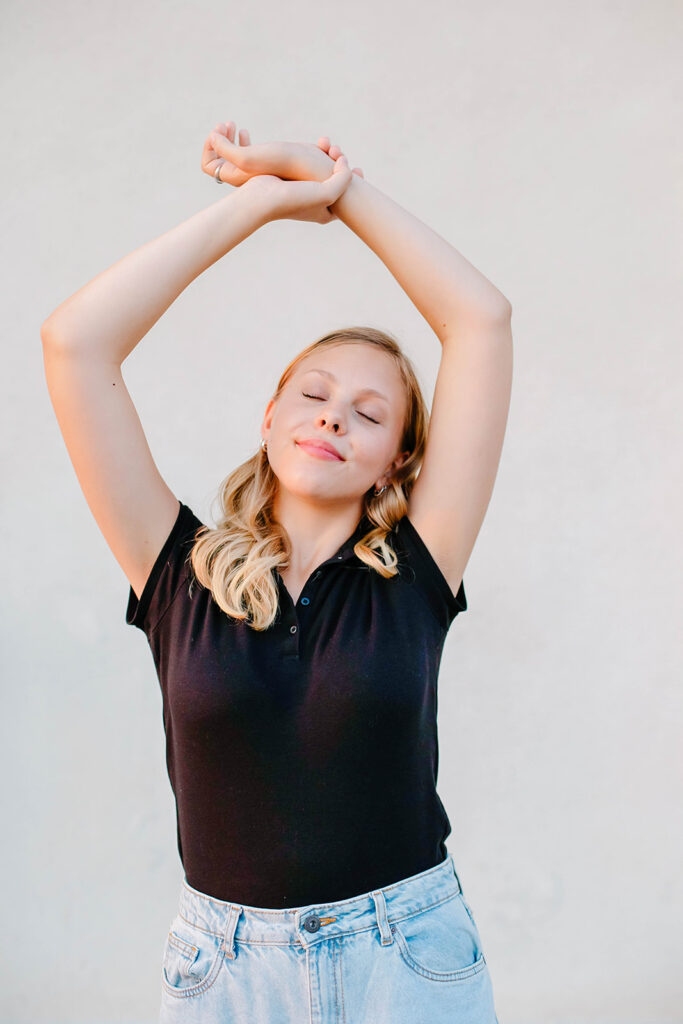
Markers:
point(377, 450)
point(371, 459)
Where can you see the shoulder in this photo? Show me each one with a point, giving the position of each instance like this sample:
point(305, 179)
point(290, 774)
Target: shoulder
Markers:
point(169, 571)
point(430, 536)
point(414, 549)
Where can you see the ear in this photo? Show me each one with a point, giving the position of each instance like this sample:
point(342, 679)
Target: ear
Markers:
point(268, 416)
point(400, 459)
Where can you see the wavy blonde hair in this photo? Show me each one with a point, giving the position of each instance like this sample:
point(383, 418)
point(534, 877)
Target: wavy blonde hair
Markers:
point(235, 560)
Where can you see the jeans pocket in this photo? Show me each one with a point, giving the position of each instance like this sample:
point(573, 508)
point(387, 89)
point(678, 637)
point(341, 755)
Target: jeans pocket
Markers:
point(192, 959)
point(441, 942)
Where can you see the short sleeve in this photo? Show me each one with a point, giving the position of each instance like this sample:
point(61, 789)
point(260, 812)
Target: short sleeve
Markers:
point(427, 575)
point(167, 574)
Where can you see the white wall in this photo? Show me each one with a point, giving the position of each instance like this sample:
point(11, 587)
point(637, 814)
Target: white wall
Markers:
point(541, 141)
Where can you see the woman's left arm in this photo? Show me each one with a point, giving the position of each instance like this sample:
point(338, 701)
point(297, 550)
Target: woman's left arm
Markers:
point(472, 320)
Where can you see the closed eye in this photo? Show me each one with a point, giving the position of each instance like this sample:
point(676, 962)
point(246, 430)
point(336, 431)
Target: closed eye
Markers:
point(322, 400)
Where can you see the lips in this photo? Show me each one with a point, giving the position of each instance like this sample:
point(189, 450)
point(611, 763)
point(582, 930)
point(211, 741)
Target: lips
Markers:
point(315, 442)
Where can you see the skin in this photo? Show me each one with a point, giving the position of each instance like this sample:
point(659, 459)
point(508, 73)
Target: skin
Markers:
point(280, 169)
point(289, 160)
point(319, 502)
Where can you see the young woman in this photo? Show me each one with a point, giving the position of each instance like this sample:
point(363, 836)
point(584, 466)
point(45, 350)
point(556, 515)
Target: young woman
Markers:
point(298, 642)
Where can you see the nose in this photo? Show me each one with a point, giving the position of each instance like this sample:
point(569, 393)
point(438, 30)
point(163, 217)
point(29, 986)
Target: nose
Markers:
point(327, 420)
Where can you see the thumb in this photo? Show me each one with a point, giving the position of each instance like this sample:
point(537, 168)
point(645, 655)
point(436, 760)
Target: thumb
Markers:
point(223, 147)
point(338, 181)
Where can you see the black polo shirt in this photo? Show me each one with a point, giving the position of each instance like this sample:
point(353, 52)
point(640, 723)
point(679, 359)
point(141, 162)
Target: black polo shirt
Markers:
point(303, 758)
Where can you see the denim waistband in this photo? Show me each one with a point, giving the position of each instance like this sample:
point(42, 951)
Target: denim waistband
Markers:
point(305, 925)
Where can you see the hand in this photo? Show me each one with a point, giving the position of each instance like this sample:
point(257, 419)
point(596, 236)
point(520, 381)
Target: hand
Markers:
point(301, 200)
point(291, 161)
point(334, 152)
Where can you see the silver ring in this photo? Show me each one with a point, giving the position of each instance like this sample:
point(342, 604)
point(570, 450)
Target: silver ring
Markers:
point(217, 174)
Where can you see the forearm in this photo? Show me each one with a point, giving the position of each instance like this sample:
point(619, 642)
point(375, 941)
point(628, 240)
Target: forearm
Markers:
point(110, 314)
point(438, 280)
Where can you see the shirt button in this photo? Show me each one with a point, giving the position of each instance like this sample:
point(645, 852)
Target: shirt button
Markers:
point(305, 600)
point(292, 629)
point(312, 923)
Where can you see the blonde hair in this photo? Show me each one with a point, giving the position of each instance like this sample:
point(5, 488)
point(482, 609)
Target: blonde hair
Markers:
point(235, 560)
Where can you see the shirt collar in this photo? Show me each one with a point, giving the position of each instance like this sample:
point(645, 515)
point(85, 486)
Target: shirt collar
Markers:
point(345, 552)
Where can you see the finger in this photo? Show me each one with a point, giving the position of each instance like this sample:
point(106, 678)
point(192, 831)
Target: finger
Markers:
point(324, 143)
point(359, 172)
point(223, 128)
point(335, 152)
point(338, 181)
point(208, 156)
point(231, 130)
point(244, 137)
point(341, 164)
point(226, 148)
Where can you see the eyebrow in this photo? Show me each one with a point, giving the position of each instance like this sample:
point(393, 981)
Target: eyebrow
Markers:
point(364, 391)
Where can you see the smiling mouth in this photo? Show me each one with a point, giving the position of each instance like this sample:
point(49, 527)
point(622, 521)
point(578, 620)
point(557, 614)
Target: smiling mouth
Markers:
point(318, 452)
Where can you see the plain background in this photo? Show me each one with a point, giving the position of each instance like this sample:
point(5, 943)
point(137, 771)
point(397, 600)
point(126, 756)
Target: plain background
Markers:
point(541, 141)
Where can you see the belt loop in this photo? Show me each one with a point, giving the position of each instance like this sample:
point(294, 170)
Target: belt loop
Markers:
point(386, 938)
point(455, 873)
point(228, 940)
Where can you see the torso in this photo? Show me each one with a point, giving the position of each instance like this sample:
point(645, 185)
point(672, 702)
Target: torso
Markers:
point(317, 735)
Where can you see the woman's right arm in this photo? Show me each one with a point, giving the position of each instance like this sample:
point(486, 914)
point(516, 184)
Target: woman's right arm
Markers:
point(85, 341)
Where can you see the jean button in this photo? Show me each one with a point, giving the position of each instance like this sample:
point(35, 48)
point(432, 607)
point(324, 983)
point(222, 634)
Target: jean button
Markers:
point(312, 923)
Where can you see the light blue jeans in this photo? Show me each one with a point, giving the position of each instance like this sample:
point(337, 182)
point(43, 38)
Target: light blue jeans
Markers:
point(406, 954)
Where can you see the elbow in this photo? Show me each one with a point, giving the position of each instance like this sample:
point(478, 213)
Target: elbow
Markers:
point(46, 333)
point(51, 335)
point(494, 309)
point(502, 309)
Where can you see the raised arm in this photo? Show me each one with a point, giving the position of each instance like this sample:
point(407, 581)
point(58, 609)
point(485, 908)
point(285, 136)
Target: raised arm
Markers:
point(468, 314)
point(472, 320)
point(85, 341)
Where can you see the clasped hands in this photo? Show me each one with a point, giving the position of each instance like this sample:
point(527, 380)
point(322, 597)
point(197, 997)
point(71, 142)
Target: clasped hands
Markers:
point(295, 180)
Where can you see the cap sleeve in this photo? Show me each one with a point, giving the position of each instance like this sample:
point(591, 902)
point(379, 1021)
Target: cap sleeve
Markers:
point(427, 575)
point(168, 572)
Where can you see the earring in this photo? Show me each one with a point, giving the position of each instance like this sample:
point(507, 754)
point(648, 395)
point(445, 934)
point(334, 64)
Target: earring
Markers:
point(377, 493)
point(264, 444)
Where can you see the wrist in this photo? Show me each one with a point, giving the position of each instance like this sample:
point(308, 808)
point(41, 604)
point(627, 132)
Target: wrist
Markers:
point(254, 203)
point(316, 165)
point(347, 197)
